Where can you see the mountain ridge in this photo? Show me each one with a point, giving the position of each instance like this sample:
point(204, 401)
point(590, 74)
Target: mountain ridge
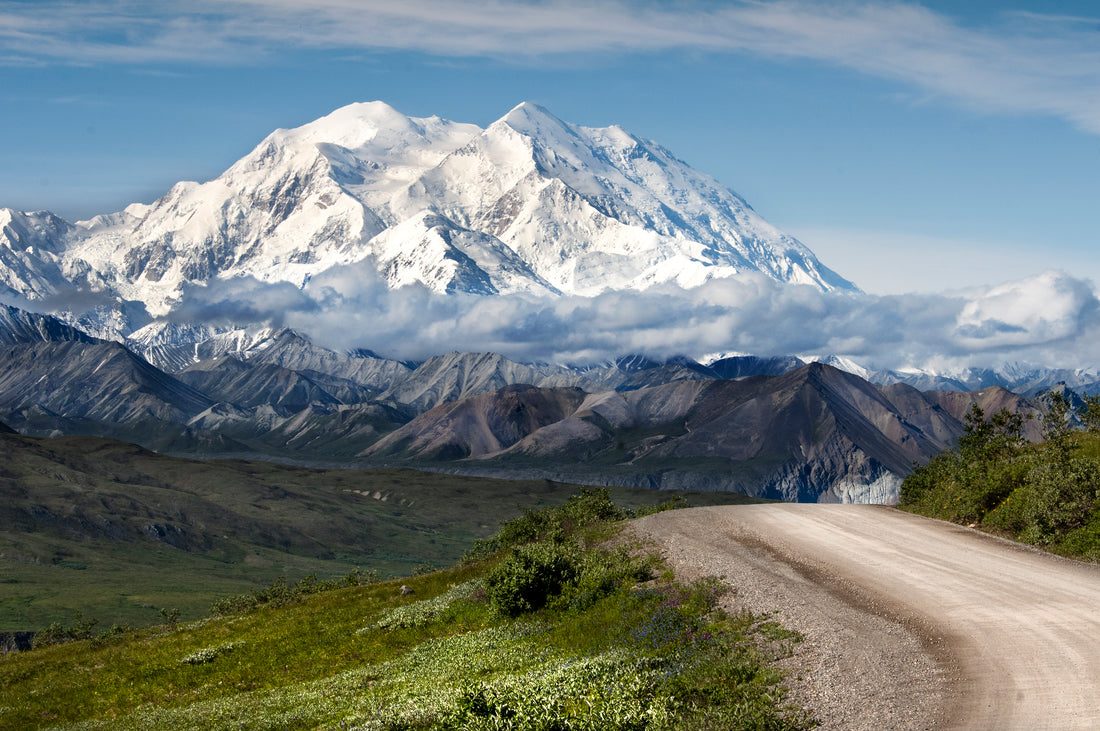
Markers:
point(529, 205)
point(765, 426)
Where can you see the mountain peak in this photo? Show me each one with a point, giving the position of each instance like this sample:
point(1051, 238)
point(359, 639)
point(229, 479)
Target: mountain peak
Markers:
point(532, 204)
point(537, 122)
point(353, 125)
point(526, 109)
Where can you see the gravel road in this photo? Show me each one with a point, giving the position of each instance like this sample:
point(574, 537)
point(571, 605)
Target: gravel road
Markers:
point(910, 623)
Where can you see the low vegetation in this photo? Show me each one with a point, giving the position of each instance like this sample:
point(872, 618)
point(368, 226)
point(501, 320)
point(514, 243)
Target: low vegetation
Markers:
point(1046, 494)
point(551, 624)
point(121, 534)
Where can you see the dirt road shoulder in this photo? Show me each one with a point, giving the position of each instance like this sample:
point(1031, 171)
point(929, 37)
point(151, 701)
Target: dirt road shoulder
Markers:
point(862, 664)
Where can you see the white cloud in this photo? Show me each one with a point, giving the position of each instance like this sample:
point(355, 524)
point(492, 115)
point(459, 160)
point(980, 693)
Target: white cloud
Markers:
point(1052, 319)
point(1028, 63)
point(1049, 308)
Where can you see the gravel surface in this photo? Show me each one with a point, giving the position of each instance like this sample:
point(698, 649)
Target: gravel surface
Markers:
point(909, 623)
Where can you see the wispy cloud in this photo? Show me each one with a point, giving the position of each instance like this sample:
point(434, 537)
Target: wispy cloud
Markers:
point(1020, 62)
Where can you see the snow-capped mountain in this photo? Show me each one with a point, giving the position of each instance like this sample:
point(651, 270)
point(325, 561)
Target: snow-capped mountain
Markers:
point(28, 261)
point(1026, 380)
point(531, 204)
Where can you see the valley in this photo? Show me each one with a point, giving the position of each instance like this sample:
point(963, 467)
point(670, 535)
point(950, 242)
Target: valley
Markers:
point(118, 533)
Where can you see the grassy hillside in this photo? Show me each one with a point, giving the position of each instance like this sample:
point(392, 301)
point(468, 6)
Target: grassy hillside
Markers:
point(546, 627)
point(119, 533)
point(1046, 494)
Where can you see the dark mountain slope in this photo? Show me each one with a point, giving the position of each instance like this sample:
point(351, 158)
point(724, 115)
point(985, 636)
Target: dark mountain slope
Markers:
point(100, 381)
point(21, 326)
point(455, 376)
point(991, 400)
point(101, 389)
point(816, 433)
point(479, 425)
point(248, 385)
point(744, 366)
point(290, 350)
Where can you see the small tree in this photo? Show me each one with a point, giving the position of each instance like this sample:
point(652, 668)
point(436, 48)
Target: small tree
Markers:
point(986, 469)
point(1089, 412)
point(1000, 435)
point(1056, 426)
point(171, 617)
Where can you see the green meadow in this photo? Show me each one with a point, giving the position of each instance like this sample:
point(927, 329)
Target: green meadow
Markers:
point(556, 622)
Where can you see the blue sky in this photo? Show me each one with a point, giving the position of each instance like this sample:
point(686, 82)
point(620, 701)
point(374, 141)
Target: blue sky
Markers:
point(913, 146)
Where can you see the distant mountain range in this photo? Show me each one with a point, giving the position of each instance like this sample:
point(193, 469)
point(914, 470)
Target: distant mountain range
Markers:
point(771, 427)
point(529, 207)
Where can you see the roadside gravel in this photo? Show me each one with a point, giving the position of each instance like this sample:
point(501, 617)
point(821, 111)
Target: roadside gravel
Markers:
point(910, 623)
point(863, 663)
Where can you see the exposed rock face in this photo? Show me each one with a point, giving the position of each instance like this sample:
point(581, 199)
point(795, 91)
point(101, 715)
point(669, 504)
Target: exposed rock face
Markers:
point(990, 400)
point(814, 434)
point(480, 425)
point(456, 376)
point(20, 326)
point(99, 381)
point(247, 386)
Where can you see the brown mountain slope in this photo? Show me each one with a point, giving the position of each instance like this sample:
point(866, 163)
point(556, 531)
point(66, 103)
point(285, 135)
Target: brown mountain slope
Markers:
point(479, 425)
point(814, 434)
point(991, 400)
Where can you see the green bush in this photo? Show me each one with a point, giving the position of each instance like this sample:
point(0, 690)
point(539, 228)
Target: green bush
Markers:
point(1060, 497)
point(676, 502)
point(531, 575)
point(1038, 493)
point(57, 633)
point(588, 507)
point(602, 572)
point(279, 593)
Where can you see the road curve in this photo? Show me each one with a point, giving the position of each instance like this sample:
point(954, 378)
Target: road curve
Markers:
point(1000, 636)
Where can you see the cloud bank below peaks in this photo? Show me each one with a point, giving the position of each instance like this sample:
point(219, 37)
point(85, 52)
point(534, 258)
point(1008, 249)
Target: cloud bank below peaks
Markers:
point(1052, 319)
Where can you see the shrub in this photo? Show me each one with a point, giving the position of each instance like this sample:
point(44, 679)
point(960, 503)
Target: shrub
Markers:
point(676, 502)
point(171, 617)
point(116, 632)
point(279, 593)
point(1040, 493)
point(585, 508)
point(1089, 412)
point(1060, 497)
point(57, 633)
point(602, 572)
point(530, 576)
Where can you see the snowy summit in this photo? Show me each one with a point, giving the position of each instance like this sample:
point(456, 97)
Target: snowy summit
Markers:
point(531, 204)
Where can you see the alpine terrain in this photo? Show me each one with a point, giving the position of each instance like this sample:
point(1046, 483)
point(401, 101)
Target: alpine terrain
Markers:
point(528, 207)
point(530, 204)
